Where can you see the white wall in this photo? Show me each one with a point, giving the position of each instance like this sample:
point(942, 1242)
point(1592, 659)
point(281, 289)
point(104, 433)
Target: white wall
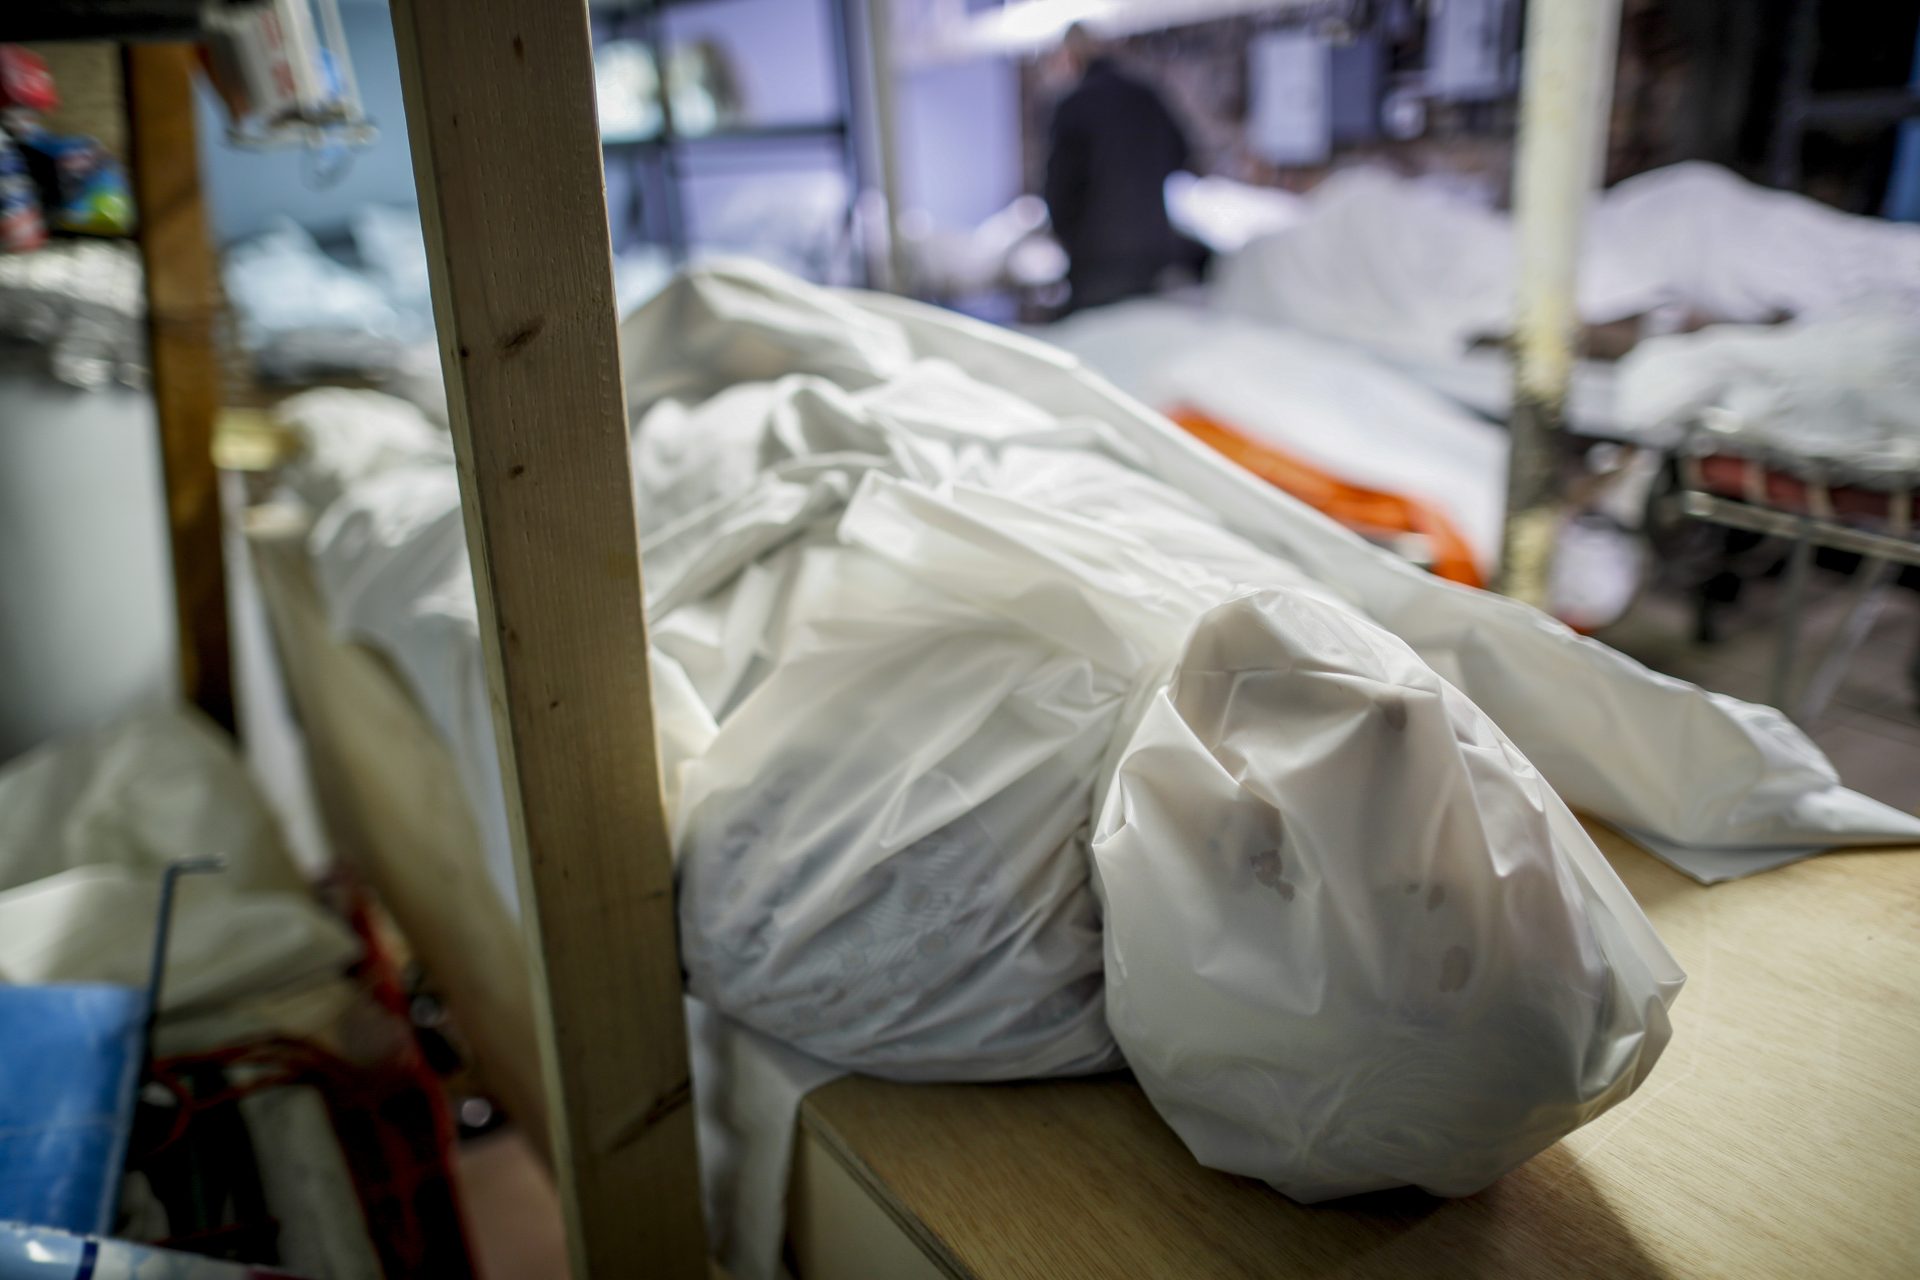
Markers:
point(957, 139)
point(782, 51)
point(86, 586)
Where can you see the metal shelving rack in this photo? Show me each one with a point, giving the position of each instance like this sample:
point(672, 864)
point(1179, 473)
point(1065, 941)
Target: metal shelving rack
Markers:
point(181, 281)
point(1803, 111)
point(655, 165)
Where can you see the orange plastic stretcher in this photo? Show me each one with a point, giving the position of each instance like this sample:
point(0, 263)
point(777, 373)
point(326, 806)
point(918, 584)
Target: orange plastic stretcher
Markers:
point(1369, 512)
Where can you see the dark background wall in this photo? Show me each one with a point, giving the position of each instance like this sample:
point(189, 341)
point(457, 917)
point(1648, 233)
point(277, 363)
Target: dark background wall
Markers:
point(1696, 80)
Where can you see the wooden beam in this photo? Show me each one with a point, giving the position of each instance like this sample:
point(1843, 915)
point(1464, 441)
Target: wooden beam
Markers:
point(102, 19)
point(399, 816)
point(506, 155)
point(183, 300)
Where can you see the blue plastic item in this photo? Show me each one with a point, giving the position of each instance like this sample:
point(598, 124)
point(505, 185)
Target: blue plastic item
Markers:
point(41, 1253)
point(69, 1059)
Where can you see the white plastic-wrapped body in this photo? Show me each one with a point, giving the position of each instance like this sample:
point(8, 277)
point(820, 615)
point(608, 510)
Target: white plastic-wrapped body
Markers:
point(882, 851)
point(1405, 266)
point(1841, 393)
point(1353, 939)
point(885, 546)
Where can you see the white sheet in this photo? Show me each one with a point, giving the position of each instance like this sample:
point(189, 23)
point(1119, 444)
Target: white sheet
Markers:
point(1224, 215)
point(1328, 403)
point(418, 607)
point(1481, 380)
point(1840, 392)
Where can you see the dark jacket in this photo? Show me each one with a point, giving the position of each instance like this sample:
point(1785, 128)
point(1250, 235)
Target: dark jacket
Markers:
point(1112, 145)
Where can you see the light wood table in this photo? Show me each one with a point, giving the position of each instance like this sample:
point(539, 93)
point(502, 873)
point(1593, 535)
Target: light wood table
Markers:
point(1779, 1135)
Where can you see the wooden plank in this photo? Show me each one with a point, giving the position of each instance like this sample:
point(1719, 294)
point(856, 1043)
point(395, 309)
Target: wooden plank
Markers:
point(1778, 1137)
point(506, 155)
point(398, 816)
point(838, 1228)
point(183, 299)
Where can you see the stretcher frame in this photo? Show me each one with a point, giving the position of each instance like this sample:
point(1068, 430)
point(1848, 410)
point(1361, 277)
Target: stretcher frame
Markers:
point(1818, 525)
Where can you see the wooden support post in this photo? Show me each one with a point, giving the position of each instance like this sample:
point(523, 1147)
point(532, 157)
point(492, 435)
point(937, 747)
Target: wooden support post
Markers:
point(506, 155)
point(1564, 97)
point(183, 301)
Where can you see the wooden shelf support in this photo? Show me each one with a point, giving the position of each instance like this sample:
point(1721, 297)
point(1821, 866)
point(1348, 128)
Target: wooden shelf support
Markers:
point(506, 154)
point(183, 304)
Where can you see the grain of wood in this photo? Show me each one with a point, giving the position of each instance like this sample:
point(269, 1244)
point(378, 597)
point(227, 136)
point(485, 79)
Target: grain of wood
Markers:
point(501, 117)
point(1779, 1135)
point(183, 296)
point(839, 1229)
point(398, 816)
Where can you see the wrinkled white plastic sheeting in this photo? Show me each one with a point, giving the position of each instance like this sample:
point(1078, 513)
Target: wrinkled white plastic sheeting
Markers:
point(1623, 743)
point(781, 422)
point(1238, 1008)
point(882, 849)
point(923, 686)
point(1382, 261)
point(304, 313)
point(302, 310)
point(1636, 748)
point(1352, 938)
point(1398, 264)
point(1700, 238)
point(1326, 875)
point(86, 827)
point(349, 436)
point(1841, 392)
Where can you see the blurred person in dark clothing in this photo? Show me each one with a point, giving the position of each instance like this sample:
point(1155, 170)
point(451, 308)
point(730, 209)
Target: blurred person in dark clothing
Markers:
point(1112, 145)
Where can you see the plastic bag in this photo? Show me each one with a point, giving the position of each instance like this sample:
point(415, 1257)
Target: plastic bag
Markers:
point(1353, 939)
point(830, 489)
point(882, 850)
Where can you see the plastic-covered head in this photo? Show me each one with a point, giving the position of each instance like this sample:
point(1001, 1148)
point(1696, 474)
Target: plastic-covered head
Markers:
point(1354, 940)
